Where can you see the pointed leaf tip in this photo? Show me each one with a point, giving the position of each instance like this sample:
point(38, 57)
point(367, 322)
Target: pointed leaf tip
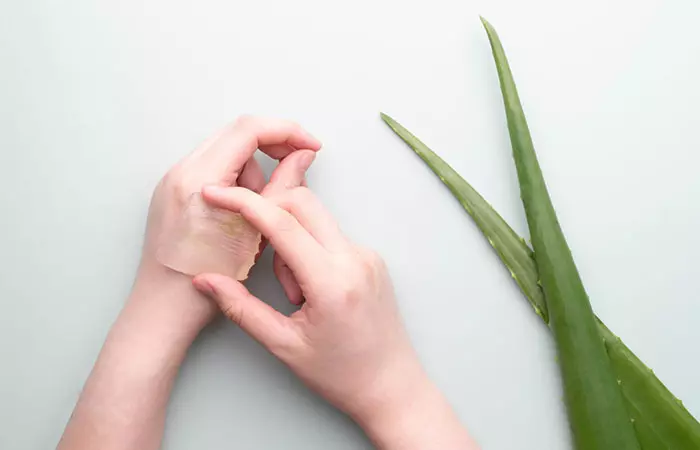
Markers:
point(485, 23)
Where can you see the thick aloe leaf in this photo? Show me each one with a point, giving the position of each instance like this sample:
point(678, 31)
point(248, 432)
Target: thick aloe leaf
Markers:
point(597, 414)
point(660, 420)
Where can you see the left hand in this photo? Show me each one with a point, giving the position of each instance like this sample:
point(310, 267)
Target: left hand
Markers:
point(225, 159)
point(123, 403)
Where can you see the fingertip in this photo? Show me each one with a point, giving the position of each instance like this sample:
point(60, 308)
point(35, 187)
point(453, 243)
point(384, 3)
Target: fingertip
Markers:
point(314, 143)
point(225, 197)
point(290, 172)
point(317, 146)
point(203, 285)
point(293, 292)
point(297, 300)
point(306, 158)
point(305, 140)
point(211, 191)
point(216, 285)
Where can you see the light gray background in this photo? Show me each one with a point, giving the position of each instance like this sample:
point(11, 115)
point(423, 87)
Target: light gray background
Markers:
point(98, 99)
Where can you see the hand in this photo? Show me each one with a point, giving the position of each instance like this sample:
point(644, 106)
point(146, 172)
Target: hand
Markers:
point(123, 403)
point(347, 341)
point(225, 159)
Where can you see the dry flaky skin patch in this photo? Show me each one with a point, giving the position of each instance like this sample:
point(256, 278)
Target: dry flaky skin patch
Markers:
point(207, 239)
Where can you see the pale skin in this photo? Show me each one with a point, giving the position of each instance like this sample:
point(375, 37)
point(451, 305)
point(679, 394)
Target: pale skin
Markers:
point(346, 341)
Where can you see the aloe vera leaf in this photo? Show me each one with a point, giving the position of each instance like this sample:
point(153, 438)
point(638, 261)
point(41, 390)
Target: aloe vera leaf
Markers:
point(597, 414)
point(660, 420)
point(517, 258)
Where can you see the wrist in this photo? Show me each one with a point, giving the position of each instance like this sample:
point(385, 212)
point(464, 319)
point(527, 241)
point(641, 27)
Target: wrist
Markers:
point(151, 336)
point(395, 406)
point(167, 301)
point(131, 381)
point(416, 415)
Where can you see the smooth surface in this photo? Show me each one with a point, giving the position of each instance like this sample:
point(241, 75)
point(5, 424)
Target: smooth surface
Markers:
point(98, 99)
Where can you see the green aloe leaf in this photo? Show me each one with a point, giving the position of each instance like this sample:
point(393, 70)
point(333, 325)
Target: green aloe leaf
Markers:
point(510, 247)
point(597, 413)
point(660, 420)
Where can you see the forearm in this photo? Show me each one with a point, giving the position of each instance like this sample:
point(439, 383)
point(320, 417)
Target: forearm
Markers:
point(415, 417)
point(122, 406)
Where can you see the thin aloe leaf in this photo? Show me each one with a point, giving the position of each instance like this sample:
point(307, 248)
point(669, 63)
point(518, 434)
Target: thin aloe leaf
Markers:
point(597, 413)
point(660, 420)
point(517, 258)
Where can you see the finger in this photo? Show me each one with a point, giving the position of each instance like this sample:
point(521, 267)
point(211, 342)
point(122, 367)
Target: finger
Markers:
point(252, 176)
point(278, 149)
point(303, 254)
point(286, 277)
point(206, 144)
point(263, 323)
point(224, 159)
point(313, 216)
point(290, 172)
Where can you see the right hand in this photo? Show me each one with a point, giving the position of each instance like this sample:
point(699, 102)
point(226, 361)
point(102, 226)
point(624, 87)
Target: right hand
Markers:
point(347, 341)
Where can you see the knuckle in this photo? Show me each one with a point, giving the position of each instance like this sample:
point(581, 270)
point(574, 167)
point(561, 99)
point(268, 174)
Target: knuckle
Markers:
point(359, 274)
point(372, 257)
point(234, 314)
point(301, 195)
point(349, 289)
point(244, 121)
point(293, 198)
point(283, 222)
point(171, 178)
point(175, 185)
point(246, 127)
point(295, 127)
point(353, 281)
point(371, 261)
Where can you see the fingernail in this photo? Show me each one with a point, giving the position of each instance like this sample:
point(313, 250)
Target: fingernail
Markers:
point(211, 189)
point(314, 138)
point(305, 160)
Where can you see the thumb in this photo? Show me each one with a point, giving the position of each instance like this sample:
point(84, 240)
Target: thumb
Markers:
point(262, 322)
point(289, 173)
